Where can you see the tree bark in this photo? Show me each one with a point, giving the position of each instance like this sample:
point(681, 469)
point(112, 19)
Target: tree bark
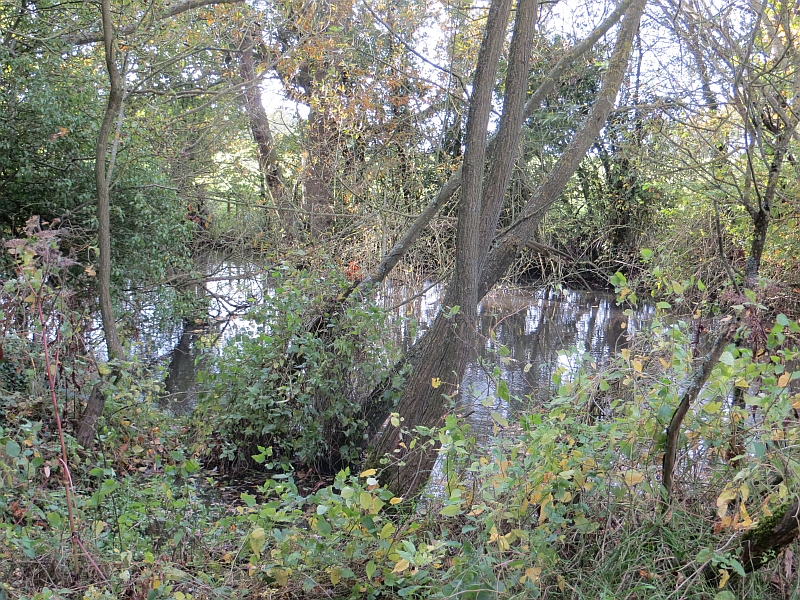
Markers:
point(96, 402)
point(451, 338)
point(769, 539)
point(447, 191)
point(509, 244)
point(318, 173)
point(696, 383)
point(442, 352)
point(262, 135)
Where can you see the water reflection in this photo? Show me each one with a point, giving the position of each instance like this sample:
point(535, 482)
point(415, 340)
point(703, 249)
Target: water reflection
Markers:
point(532, 326)
point(520, 332)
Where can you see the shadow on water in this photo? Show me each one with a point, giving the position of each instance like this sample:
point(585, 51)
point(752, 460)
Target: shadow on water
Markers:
point(180, 385)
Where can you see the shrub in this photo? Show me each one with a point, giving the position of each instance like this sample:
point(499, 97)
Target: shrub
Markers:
point(301, 389)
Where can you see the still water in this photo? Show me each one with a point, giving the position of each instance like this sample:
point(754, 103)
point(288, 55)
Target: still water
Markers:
point(535, 327)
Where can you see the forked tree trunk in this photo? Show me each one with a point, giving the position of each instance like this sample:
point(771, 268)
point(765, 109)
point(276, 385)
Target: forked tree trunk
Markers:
point(446, 192)
point(439, 365)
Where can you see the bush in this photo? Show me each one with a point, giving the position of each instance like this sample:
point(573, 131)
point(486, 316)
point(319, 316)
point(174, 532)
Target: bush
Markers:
point(302, 390)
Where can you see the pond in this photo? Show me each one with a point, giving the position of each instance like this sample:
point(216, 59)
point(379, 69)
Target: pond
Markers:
point(523, 332)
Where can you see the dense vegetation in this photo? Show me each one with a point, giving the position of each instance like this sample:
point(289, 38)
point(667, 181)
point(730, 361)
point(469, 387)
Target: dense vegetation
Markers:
point(645, 149)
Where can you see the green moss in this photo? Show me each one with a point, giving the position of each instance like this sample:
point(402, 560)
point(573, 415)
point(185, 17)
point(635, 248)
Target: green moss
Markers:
point(766, 526)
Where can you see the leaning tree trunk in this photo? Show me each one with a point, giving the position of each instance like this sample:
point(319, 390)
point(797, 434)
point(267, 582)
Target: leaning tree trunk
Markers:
point(262, 135)
point(437, 367)
point(97, 400)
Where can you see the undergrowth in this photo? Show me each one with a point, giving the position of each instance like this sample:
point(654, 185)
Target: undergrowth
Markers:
point(564, 500)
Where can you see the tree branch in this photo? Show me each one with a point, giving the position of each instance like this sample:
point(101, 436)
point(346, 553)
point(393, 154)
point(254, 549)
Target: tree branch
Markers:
point(95, 36)
point(696, 383)
point(394, 255)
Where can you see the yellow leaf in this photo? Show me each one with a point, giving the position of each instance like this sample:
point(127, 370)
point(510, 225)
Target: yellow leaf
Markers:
point(626, 354)
point(637, 365)
point(722, 502)
point(746, 521)
point(282, 576)
point(395, 500)
point(562, 583)
point(365, 500)
point(336, 576)
point(90, 271)
point(664, 363)
point(401, 566)
point(533, 573)
point(98, 527)
point(723, 578)
point(742, 383)
point(542, 513)
point(783, 381)
point(632, 477)
point(103, 368)
point(368, 473)
point(436, 382)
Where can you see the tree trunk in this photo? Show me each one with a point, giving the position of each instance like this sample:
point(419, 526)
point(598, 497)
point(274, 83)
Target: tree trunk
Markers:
point(446, 192)
point(262, 135)
point(770, 538)
point(441, 360)
point(97, 399)
point(318, 173)
point(451, 340)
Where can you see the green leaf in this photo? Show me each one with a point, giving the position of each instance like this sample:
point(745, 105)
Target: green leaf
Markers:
point(725, 595)
point(451, 510)
point(371, 568)
point(323, 527)
point(502, 391)
point(664, 305)
point(500, 419)
point(783, 320)
point(726, 358)
point(12, 448)
point(737, 566)
point(249, 500)
point(109, 485)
